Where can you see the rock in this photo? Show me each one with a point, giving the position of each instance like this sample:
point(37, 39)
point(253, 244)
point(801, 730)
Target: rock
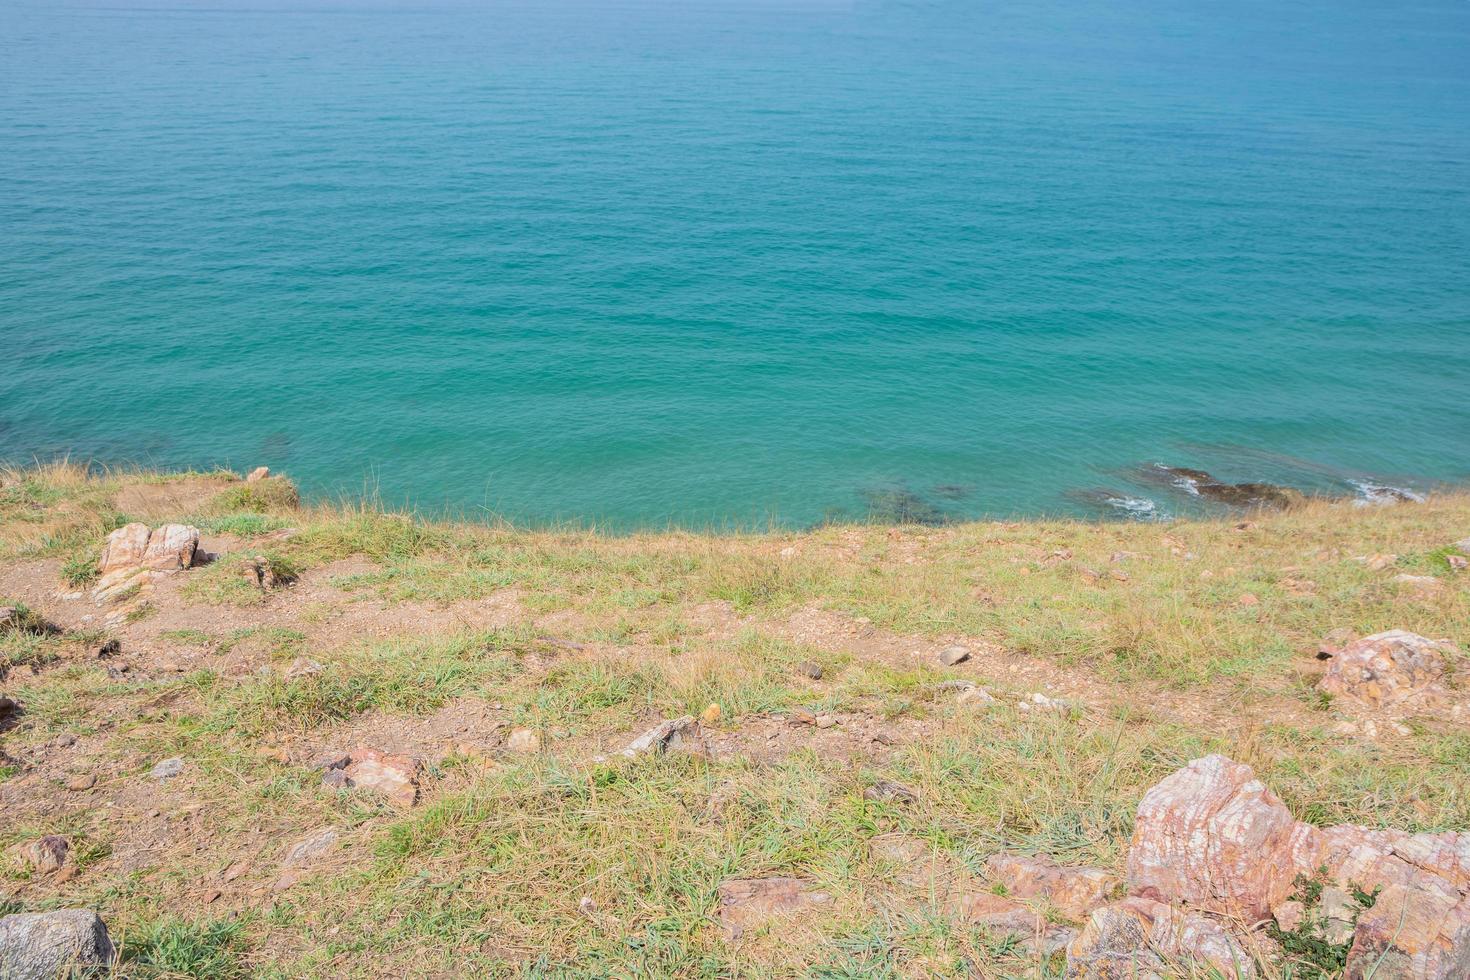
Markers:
point(1042, 702)
point(1139, 938)
point(809, 669)
point(826, 721)
point(393, 776)
point(958, 684)
point(747, 903)
point(303, 667)
point(1004, 916)
point(1412, 932)
point(310, 847)
point(950, 656)
point(259, 572)
point(336, 779)
point(524, 740)
point(80, 782)
point(1075, 891)
point(1419, 583)
point(44, 855)
point(133, 552)
point(710, 715)
point(975, 697)
point(330, 759)
point(1386, 668)
point(258, 474)
point(167, 769)
point(801, 716)
point(675, 735)
point(1458, 563)
point(44, 945)
point(1213, 836)
point(10, 709)
point(107, 649)
point(1198, 483)
point(887, 791)
point(1247, 599)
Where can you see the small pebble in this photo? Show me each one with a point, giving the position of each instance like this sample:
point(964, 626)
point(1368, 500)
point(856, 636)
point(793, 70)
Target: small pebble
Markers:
point(167, 769)
point(81, 782)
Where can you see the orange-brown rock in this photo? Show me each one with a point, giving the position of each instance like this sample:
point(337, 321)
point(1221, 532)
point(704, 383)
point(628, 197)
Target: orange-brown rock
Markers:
point(1386, 668)
point(1075, 891)
point(747, 903)
point(1213, 836)
point(394, 776)
point(1138, 938)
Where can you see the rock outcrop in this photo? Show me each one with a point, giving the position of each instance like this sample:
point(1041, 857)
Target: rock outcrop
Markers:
point(134, 553)
point(1386, 669)
point(1075, 891)
point(675, 735)
point(1198, 483)
point(1213, 838)
point(45, 945)
point(1138, 938)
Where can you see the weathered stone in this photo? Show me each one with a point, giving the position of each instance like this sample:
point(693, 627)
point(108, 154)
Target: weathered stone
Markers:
point(394, 776)
point(809, 669)
point(336, 779)
point(748, 903)
point(1385, 668)
point(710, 715)
point(258, 474)
point(675, 735)
point(45, 945)
point(887, 791)
point(950, 656)
point(524, 740)
point(81, 781)
point(329, 759)
point(167, 769)
point(309, 848)
point(259, 572)
point(1138, 938)
point(975, 697)
point(44, 855)
point(133, 552)
point(1004, 916)
point(1420, 933)
point(303, 667)
point(1214, 836)
point(1419, 583)
point(1075, 891)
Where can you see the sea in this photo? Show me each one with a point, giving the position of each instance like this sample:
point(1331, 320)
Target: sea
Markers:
point(725, 264)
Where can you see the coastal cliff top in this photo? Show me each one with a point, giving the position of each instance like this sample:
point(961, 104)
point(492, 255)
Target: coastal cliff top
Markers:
point(483, 682)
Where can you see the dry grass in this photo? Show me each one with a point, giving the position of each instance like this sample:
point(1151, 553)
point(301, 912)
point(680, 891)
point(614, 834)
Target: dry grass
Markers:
point(486, 877)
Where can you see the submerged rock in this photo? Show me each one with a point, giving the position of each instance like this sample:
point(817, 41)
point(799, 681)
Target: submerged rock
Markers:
point(1199, 483)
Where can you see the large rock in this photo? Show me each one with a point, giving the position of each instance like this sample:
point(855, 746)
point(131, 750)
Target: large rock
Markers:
point(1386, 668)
point(1075, 891)
point(1214, 836)
point(1139, 938)
point(45, 945)
point(133, 553)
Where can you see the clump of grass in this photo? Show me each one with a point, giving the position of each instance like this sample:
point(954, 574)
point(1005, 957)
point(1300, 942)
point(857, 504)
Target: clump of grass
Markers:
point(1308, 948)
point(172, 947)
point(274, 493)
point(79, 570)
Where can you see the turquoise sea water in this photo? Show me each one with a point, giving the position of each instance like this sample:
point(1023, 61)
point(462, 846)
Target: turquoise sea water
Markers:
point(723, 263)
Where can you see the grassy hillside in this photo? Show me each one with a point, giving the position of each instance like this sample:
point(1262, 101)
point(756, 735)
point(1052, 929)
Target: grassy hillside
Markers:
point(1165, 641)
